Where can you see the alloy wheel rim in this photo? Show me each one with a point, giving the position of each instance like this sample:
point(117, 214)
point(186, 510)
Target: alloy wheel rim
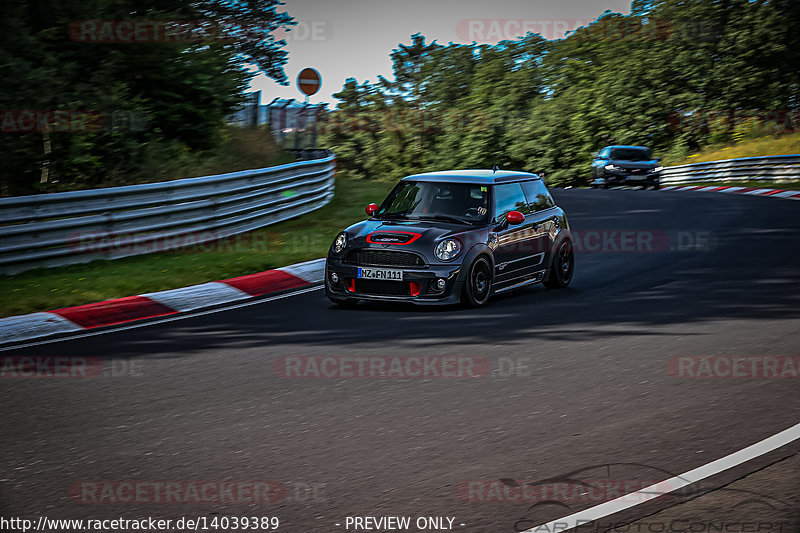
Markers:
point(480, 281)
point(565, 260)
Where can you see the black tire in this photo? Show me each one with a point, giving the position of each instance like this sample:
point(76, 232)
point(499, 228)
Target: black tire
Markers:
point(347, 303)
point(478, 284)
point(605, 185)
point(656, 187)
point(562, 266)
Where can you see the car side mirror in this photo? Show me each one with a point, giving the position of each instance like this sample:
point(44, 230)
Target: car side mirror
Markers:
point(372, 209)
point(515, 217)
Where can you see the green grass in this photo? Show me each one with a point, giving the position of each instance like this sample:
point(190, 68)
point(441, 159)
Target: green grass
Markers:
point(301, 239)
point(767, 145)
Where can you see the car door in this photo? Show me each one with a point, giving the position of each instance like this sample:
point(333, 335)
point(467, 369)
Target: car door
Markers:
point(517, 245)
point(545, 220)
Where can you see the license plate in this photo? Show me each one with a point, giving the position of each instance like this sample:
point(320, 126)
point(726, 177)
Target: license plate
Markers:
point(380, 273)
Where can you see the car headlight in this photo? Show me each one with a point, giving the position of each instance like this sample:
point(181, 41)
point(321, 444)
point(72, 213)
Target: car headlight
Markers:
point(447, 250)
point(611, 167)
point(340, 242)
point(658, 169)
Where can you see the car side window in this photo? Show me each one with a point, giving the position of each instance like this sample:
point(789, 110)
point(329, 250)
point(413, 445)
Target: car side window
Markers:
point(509, 197)
point(538, 196)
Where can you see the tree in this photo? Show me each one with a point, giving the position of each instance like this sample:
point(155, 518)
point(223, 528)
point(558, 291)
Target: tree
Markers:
point(177, 84)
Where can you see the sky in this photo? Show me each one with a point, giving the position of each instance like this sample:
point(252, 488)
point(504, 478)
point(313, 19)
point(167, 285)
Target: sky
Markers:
point(354, 38)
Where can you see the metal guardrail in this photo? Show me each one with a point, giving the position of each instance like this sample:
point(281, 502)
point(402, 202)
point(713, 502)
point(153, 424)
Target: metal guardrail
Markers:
point(775, 167)
point(55, 229)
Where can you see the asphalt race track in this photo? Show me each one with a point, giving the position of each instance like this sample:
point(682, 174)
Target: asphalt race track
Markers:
point(580, 378)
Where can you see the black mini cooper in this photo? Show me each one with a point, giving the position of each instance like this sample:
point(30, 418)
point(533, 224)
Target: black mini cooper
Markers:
point(452, 236)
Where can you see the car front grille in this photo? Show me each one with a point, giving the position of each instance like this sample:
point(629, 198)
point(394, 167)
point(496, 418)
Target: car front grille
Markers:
point(382, 288)
point(384, 258)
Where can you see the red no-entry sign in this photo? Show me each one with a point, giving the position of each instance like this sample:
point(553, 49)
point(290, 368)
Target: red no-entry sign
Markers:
point(309, 81)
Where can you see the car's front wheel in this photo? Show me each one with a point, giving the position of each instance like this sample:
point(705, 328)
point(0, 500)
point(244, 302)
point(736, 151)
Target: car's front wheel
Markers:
point(562, 267)
point(478, 285)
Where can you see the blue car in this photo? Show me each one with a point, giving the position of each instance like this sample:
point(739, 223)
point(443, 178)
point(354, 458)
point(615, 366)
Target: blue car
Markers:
point(626, 165)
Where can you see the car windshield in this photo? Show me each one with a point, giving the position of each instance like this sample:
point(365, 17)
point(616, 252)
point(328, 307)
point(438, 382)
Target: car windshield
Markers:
point(424, 200)
point(631, 154)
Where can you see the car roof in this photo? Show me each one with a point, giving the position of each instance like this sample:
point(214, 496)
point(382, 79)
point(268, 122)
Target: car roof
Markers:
point(628, 146)
point(484, 177)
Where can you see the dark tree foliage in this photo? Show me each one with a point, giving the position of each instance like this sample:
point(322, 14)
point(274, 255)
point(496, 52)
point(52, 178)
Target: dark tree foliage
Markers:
point(673, 74)
point(161, 93)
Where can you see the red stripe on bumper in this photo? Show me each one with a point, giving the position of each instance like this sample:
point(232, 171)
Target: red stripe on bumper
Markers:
point(114, 311)
point(265, 282)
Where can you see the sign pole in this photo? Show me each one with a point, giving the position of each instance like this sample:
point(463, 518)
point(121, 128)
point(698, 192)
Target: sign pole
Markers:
point(308, 81)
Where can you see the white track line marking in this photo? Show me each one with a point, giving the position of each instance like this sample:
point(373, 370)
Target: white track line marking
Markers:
point(171, 318)
point(664, 487)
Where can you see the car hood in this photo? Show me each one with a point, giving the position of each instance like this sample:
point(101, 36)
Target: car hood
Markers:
point(382, 232)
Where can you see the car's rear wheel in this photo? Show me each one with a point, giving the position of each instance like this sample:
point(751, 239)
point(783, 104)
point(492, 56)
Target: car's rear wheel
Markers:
point(478, 285)
point(562, 266)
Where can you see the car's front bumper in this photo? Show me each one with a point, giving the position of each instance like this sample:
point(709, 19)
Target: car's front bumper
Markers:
point(624, 178)
point(424, 276)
